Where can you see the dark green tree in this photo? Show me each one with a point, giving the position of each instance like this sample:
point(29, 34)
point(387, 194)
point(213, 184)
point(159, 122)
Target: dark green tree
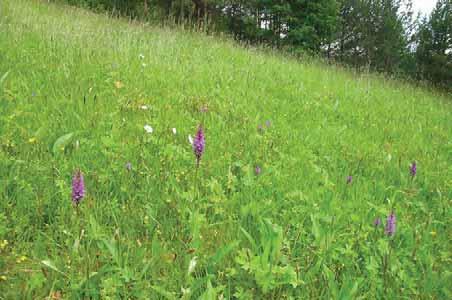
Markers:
point(434, 49)
point(372, 33)
point(311, 24)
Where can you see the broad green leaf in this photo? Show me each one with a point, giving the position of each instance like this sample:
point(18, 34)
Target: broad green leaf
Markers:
point(250, 239)
point(210, 293)
point(3, 78)
point(222, 252)
point(52, 266)
point(62, 142)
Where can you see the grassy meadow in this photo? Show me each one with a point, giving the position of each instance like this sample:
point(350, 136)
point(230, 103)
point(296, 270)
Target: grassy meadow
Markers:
point(332, 149)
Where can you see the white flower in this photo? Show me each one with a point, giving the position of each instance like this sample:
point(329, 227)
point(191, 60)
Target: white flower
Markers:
point(144, 107)
point(174, 130)
point(141, 56)
point(192, 265)
point(185, 291)
point(190, 139)
point(148, 128)
point(144, 65)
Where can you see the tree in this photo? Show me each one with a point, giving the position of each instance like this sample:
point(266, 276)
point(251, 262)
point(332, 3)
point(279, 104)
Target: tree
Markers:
point(434, 49)
point(373, 33)
point(311, 23)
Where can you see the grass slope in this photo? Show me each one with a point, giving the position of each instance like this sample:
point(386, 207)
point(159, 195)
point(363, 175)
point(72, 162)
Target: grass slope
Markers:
point(72, 90)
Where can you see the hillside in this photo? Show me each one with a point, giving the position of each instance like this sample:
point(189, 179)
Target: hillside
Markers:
point(300, 159)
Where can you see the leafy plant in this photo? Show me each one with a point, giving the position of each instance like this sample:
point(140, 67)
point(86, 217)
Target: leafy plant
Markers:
point(265, 260)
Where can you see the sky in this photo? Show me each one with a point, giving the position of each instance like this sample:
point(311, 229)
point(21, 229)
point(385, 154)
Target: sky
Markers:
point(423, 6)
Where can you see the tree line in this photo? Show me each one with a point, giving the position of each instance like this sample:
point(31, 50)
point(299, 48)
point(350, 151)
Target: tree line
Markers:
point(380, 35)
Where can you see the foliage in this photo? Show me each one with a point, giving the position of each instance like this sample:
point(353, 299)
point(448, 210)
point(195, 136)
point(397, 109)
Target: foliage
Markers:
point(311, 23)
point(371, 34)
point(434, 50)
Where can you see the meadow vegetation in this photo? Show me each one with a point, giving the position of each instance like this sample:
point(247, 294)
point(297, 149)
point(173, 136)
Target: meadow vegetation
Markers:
point(303, 166)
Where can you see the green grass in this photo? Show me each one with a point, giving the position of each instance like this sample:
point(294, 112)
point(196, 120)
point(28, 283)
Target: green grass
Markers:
point(296, 231)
